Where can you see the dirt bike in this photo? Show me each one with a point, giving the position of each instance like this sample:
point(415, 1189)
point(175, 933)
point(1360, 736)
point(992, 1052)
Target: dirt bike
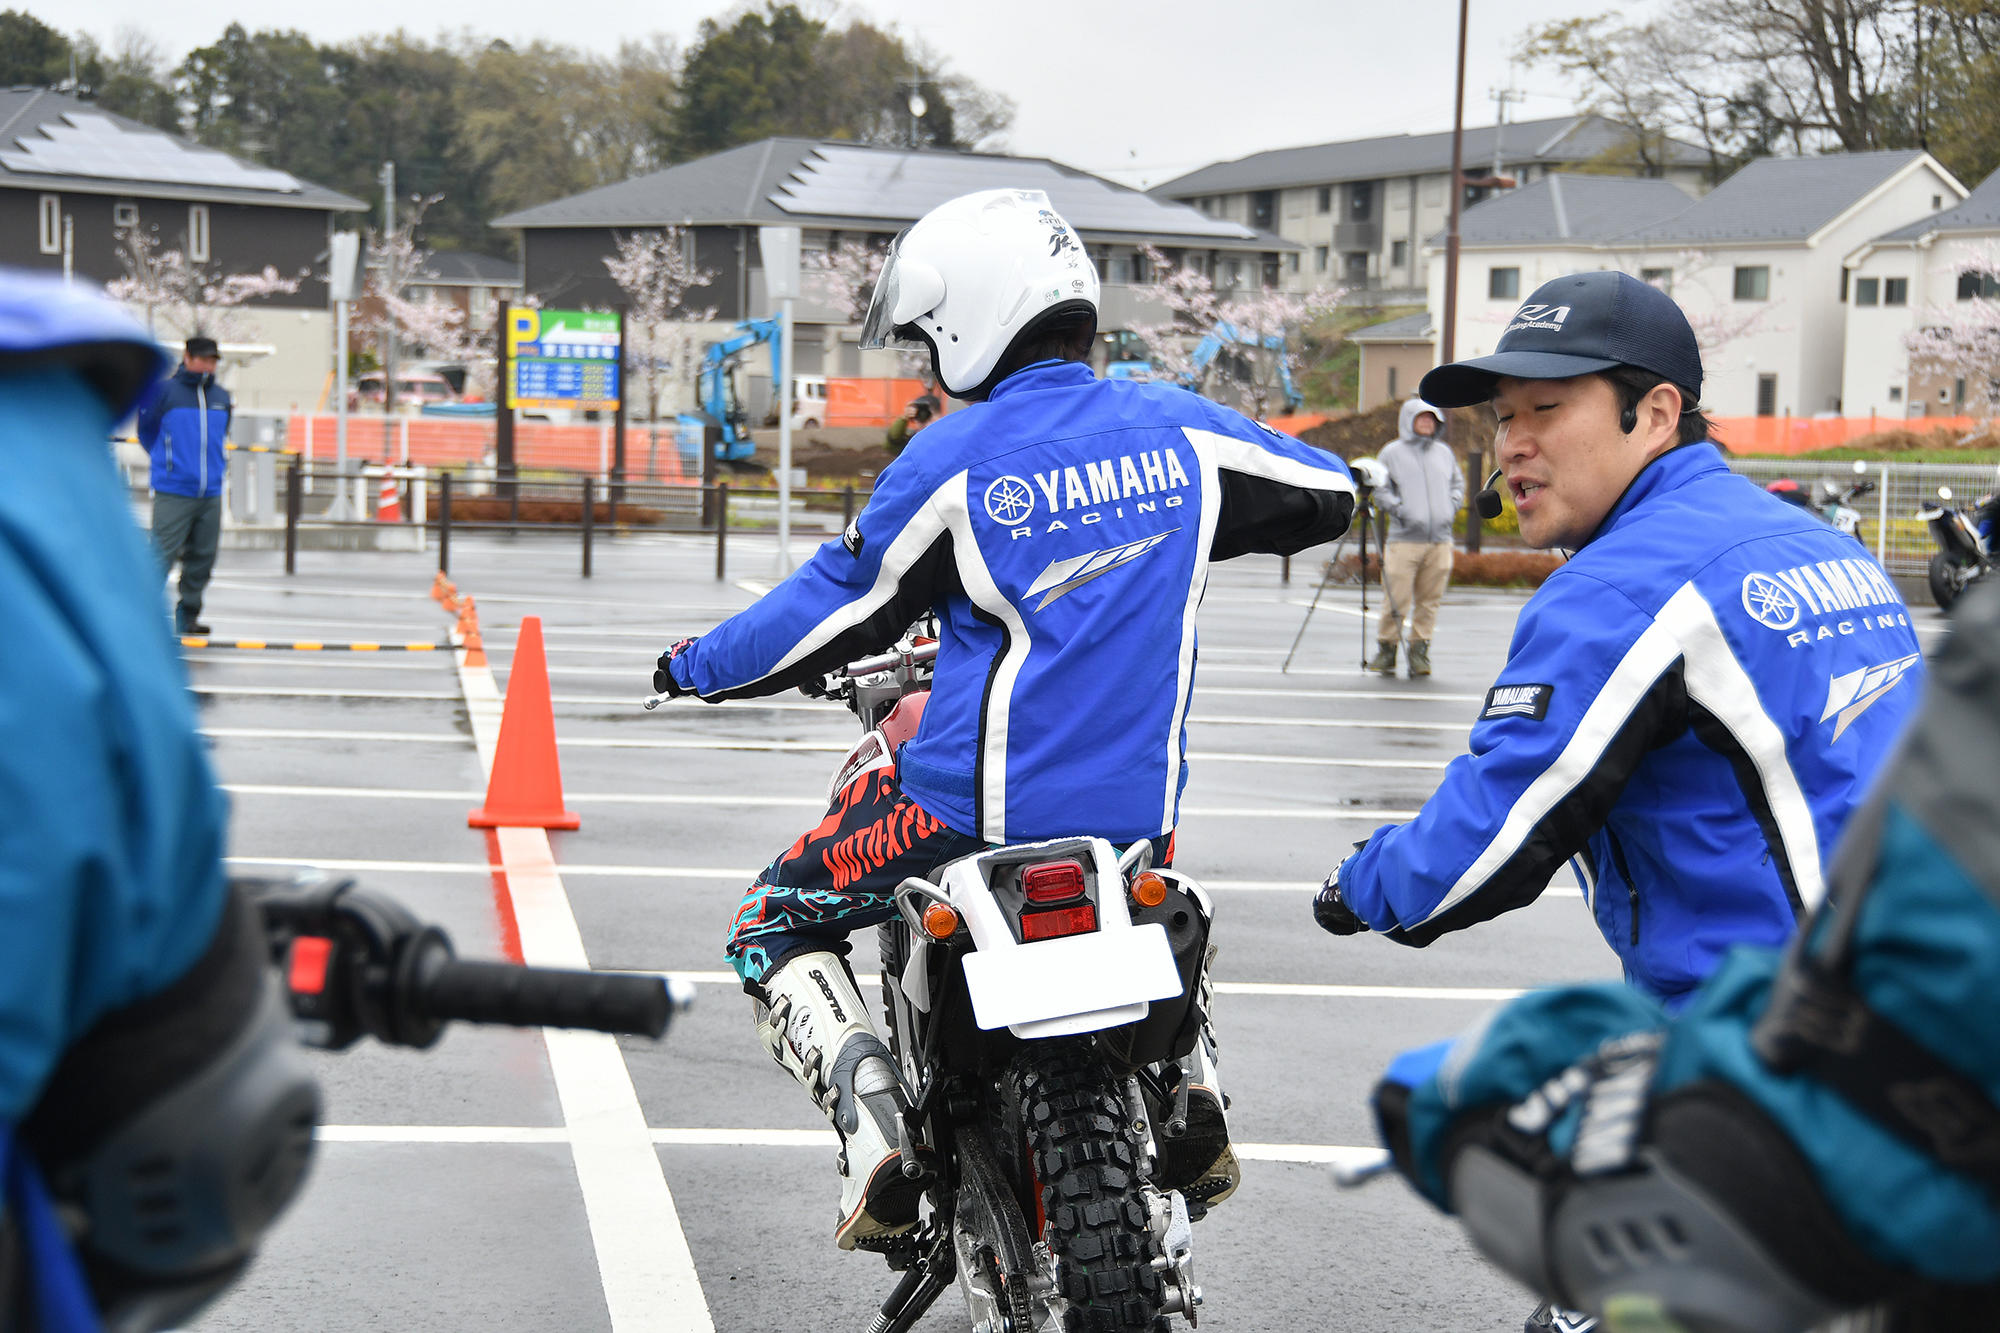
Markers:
point(1961, 554)
point(1044, 1002)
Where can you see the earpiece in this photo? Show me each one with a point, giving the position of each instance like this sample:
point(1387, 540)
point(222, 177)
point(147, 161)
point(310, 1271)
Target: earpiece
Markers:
point(1628, 420)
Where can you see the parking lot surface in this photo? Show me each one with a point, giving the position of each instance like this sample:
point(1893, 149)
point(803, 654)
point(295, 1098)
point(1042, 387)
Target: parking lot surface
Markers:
point(514, 1180)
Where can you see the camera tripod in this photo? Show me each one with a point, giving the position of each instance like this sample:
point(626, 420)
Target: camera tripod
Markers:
point(1365, 520)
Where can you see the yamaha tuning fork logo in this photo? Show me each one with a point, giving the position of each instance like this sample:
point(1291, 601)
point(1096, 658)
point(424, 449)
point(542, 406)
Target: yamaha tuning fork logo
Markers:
point(1769, 602)
point(1010, 499)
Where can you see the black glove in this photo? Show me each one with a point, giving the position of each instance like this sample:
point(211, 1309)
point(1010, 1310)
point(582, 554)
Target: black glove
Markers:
point(663, 679)
point(1334, 916)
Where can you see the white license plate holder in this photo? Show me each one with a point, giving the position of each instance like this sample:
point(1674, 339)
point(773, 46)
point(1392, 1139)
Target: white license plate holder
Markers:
point(1071, 975)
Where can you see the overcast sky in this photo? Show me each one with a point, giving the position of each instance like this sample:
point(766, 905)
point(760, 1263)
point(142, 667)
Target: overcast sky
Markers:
point(1140, 92)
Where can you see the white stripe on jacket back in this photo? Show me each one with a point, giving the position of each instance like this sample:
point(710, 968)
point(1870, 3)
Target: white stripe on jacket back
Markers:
point(1649, 657)
point(990, 803)
point(1718, 682)
point(1203, 443)
point(1230, 454)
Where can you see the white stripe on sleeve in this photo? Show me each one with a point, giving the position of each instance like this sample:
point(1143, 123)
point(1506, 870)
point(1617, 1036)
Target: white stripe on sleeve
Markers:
point(1644, 663)
point(1211, 509)
point(1718, 682)
point(1230, 454)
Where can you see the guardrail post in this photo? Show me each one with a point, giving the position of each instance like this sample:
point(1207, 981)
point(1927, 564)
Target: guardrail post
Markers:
point(589, 518)
point(513, 508)
point(1285, 569)
point(721, 526)
point(292, 518)
point(444, 523)
point(1882, 520)
point(846, 507)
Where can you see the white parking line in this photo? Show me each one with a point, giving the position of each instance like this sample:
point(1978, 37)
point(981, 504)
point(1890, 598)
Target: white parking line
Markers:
point(776, 747)
point(643, 1258)
point(732, 874)
point(1287, 989)
point(811, 802)
point(1311, 1154)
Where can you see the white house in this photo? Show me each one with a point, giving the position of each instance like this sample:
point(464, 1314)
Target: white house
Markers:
point(1899, 279)
point(1758, 263)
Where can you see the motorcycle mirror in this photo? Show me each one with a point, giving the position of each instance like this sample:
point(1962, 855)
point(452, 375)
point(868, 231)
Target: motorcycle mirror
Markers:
point(1860, 466)
point(1944, 492)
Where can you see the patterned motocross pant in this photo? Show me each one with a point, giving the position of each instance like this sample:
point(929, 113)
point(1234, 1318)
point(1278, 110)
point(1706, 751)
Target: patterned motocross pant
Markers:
point(841, 876)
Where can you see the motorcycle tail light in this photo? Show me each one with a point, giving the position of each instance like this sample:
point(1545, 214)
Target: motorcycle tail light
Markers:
point(1053, 922)
point(1149, 889)
point(940, 921)
point(1053, 882)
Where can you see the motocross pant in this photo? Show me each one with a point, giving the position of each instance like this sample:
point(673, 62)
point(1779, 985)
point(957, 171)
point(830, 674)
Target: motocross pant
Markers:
point(842, 875)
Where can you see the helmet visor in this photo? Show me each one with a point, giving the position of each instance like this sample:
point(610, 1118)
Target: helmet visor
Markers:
point(878, 326)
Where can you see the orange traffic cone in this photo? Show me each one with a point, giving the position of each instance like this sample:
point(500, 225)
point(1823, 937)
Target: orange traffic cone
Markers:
point(389, 505)
point(526, 788)
point(467, 629)
point(445, 593)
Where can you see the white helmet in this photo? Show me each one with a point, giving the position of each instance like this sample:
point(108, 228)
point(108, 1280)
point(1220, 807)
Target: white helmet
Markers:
point(974, 275)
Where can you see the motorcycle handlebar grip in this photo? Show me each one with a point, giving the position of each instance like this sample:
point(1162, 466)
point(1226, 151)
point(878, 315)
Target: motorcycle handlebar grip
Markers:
point(548, 997)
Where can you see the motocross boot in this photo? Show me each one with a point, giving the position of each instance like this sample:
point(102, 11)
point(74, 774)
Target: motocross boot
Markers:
point(1201, 1162)
point(815, 1024)
point(1384, 661)
point(1420, 658)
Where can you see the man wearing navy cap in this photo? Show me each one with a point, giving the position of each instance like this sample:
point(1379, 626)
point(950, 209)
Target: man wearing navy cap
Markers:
point(1692, 704)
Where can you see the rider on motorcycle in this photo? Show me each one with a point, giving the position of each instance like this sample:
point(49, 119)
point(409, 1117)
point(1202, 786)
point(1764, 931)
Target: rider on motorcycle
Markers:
point(1060, 529)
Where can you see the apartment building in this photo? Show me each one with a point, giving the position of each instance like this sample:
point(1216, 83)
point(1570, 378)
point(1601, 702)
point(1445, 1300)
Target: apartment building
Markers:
point(1359, 211)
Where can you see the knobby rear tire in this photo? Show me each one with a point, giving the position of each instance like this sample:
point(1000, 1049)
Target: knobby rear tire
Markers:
point(1944, 583)
point(1073, 1113)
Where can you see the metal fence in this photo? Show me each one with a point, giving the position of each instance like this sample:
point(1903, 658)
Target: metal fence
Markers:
point(1889, 525)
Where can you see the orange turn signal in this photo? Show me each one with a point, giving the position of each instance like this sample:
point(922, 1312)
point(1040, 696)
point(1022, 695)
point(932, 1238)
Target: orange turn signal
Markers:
point(1149, 890)
point(940, 921)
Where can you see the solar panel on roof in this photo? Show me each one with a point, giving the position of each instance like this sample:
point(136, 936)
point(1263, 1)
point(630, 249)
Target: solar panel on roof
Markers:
point(899, 187)
point(82, 144)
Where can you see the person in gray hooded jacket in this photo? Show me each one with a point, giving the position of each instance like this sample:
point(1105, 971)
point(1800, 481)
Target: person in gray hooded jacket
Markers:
point(1422, 496)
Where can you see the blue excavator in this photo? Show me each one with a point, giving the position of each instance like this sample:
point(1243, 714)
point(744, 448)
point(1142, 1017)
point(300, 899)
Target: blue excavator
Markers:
point(725, 419)
point(1227, 335)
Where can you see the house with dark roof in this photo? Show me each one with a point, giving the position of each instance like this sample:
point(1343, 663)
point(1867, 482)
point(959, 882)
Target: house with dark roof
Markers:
point(1923, 272)
point(73, 177)
point(474, 283)
point(835, 190)
point(1758, 263)
point(1359, 209)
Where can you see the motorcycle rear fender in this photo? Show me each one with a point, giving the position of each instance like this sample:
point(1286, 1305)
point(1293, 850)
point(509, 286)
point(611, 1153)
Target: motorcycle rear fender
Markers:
point(1058, 987)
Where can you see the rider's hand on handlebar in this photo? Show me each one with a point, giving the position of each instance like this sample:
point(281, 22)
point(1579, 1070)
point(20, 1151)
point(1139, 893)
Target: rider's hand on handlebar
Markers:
point(1333, 915)
point(663, 677)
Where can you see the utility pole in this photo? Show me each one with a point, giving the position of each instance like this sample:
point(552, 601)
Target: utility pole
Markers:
point(1447, 336)
point(392, 282)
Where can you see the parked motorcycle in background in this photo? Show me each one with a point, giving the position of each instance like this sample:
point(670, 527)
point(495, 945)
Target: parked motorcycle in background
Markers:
point(1047, 1005)
point(1961, 554)
point(1830, 500)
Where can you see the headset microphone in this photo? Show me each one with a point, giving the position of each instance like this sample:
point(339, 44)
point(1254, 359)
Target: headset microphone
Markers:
point(1487, 502)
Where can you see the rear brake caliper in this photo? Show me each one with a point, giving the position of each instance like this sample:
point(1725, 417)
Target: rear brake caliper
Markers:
point(1173, 1251)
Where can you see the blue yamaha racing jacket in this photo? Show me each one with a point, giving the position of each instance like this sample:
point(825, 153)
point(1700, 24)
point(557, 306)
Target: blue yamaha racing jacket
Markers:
point(1062, 531)
point(1691, 706)
point(184, 425)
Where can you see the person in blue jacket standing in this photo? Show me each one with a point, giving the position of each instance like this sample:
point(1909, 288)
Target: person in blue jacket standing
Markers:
point(184, 425)
point(1692, 705)
point(1061, 528)
point(1817, 1131)
point(133, 984)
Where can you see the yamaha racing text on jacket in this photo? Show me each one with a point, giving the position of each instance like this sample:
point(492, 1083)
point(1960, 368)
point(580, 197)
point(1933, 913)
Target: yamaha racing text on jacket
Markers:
point(1690, 708)
point(1062, 530)
point(184, 426)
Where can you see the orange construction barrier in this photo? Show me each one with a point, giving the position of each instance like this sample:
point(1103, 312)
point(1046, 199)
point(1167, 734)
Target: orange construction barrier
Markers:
point(526, 788)
point(389, 503)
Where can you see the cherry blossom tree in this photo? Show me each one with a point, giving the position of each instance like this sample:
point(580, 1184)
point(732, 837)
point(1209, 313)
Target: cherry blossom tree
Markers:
point(189, 298)
point(1960, 339)
point(1262, 329)
point(656, 271)
point(428, 325)
point(842, 278)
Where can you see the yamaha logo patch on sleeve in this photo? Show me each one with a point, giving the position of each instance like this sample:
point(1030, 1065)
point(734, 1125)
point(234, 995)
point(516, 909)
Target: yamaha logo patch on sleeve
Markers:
point(851, 538)
point(1530, 701)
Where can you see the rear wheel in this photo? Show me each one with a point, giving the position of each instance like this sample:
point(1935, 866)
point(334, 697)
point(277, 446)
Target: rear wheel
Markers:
point(1073, 1114)
point(1944, 580)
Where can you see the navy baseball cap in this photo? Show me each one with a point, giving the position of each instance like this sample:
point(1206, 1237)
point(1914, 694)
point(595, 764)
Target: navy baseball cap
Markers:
point(1577, 325)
